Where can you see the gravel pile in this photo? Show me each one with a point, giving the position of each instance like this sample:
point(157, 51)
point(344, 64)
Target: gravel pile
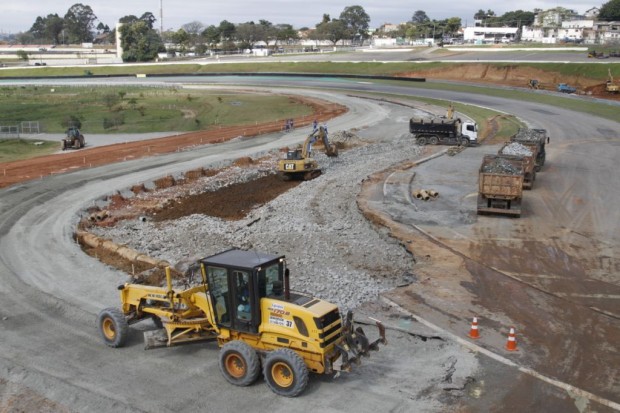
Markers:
point(516, 148)
point(331, 249)
point(501, 166)
point(343, 136)
point(529, 135)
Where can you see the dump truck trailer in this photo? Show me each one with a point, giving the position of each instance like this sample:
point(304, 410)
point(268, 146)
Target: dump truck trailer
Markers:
point(500, 185)
point(527, 153)
point(535, 139)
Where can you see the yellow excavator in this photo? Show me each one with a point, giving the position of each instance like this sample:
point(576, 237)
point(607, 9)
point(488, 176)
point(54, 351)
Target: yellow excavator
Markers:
point(299, 163)
point(245, 304)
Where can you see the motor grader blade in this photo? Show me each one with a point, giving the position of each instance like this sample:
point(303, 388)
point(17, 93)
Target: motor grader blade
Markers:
point(356, 344)
point(179, 332)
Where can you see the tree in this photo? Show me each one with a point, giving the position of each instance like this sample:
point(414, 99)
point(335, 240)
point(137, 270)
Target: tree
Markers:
point(610, 11)
point(194, 30)
point(149, 19)
point(284, 33)
point(420, 17)
point(181, 38)
point(79, 23)
point(516, 18)
point(248, 34)
point(451, 25)
point(139, 42)
point(211, 35)
point(356, 22)
point(227, 30)
point(47, 28)
point(22, 55)
point(334, 31)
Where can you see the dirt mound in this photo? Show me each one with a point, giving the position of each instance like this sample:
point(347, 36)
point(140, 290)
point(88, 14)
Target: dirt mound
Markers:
point(231, 202)
point(511, 75)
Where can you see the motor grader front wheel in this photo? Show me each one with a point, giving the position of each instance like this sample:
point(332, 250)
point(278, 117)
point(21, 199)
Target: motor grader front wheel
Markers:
point(285, 372)
point(239, 363)
point(113, 327)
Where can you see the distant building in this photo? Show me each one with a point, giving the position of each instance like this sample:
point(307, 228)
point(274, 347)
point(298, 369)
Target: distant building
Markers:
point(388, 27)
point(592, 13)
point(489, 34)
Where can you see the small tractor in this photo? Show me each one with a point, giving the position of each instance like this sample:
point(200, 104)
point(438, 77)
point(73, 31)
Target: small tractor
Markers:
point(534, 84)
point(244, 302)
point(74, 139)
point(565, 88)
point(299, 164)
point(610, 86)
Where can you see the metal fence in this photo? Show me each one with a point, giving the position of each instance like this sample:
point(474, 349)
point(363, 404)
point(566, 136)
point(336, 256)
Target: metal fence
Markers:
point(16, 130)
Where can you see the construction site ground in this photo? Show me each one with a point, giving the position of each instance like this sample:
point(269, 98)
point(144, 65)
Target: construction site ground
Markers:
point(355, 236)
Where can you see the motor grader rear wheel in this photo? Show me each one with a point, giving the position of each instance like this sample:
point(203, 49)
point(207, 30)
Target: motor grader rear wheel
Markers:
point(239, 363)
point(285, 372)
point(113, 327)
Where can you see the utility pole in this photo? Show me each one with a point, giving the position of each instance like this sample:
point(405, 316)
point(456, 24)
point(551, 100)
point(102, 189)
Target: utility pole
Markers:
point(161, 17)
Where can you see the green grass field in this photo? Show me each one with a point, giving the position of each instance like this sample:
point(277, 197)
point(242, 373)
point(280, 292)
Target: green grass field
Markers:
point(141, 109)
point(17, 149)
point(593, 71)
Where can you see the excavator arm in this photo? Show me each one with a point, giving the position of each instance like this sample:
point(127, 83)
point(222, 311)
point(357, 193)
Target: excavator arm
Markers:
point(318, 134)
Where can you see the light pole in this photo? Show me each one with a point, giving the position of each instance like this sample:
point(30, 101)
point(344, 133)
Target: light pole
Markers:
point(161, 17)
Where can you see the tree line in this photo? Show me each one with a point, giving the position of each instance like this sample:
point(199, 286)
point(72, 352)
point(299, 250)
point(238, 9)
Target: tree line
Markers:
point(141, 42)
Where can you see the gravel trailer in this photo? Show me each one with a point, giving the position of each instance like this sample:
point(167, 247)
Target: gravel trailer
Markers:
point(535, 139)
point(500, 185)
point(528, 154)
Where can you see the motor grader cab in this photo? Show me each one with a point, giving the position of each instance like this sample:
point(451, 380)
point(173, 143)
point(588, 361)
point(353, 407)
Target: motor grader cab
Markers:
point(73, 139)
point(299, 163)
point(245, 304)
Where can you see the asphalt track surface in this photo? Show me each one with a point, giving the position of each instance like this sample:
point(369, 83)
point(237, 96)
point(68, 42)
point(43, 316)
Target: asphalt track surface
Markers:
point(51, 292)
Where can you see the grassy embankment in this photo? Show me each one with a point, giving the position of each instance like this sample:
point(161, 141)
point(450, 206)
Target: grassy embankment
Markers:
point(172, 109)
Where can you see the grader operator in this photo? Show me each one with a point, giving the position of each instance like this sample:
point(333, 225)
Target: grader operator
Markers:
point(299, 163)
point(245, 303)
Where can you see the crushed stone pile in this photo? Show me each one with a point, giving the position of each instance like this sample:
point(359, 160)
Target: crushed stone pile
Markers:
point(502, 167)
point(529, 135)
point(516, 148)
point(333, 252)
point(343, 136)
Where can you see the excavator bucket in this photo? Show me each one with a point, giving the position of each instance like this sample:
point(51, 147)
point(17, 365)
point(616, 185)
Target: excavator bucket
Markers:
point(356, 344)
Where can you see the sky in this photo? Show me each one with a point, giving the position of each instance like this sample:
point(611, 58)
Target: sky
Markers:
point(18, 16)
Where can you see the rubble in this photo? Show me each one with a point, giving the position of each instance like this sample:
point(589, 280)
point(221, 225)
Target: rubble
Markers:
point(516, 148)
point(531, 135)
point(501, 166)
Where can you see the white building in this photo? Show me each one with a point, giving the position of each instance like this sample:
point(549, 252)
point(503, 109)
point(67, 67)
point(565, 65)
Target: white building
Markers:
point(575, 30)
point(489, 34)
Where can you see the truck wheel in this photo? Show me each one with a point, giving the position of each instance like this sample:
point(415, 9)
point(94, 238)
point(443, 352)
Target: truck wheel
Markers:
point(239, 363)
point(421, 141)
point(465, 142)
point(285, 372)
point(433, 140)
point(113, 327)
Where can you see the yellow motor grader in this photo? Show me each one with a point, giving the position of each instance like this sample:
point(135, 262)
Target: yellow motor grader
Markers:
point(299, 163)
point(244, 302)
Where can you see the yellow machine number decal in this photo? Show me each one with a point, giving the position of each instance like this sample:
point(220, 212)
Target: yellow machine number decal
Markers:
point(279, 321)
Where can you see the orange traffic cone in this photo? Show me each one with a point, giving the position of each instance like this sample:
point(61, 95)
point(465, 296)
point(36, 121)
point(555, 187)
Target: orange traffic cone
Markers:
point(473, 332)
point(511, 344)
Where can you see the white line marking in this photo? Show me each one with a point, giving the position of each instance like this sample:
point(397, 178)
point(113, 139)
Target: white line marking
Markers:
point(565, 386)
